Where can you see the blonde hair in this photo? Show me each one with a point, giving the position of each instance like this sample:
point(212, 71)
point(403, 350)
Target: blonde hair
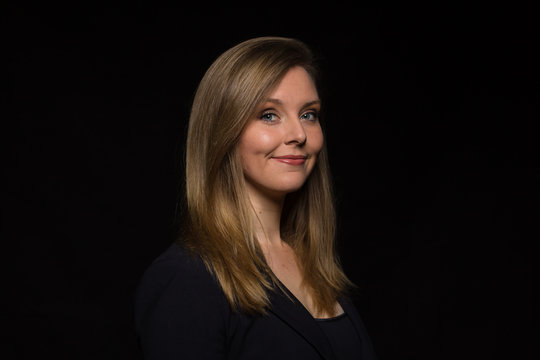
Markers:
point(218, 224)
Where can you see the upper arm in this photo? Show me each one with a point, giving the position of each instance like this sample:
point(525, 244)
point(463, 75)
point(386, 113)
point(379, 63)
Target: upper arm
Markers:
point(180, 313)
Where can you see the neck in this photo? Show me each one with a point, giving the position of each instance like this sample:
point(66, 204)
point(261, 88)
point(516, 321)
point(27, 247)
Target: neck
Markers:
point(268, 217)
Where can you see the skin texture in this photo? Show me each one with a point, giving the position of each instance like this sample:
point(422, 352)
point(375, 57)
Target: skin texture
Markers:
point(286, 124)
point(278, 150)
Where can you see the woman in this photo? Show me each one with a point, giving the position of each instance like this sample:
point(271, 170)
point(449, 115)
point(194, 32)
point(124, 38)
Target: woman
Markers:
point(254, 274)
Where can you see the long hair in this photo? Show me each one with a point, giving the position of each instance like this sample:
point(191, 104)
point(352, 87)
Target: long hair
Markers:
point(218, 225)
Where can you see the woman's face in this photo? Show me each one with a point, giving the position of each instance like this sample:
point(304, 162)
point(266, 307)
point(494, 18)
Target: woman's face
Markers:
point(279, 146)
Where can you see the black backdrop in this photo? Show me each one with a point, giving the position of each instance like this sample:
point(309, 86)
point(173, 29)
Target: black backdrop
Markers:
point(430, 112)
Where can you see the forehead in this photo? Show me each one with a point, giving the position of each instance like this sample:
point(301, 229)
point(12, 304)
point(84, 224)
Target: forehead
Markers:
point(296, 83)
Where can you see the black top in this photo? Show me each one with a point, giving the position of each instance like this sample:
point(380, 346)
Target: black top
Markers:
point(344, 340)
point(182, 313)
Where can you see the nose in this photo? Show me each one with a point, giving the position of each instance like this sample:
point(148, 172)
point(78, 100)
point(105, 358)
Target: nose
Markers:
point(295, 133)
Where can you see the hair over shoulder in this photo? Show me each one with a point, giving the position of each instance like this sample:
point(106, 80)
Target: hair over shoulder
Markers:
point(218, 223)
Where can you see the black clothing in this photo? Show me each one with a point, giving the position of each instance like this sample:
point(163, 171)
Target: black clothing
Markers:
point(182, 313)
point(343, 338)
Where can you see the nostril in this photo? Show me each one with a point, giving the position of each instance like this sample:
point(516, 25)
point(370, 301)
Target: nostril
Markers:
point(297, 134)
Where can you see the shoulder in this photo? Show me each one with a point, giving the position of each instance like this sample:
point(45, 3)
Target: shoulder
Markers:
point(179, 307)
point(176, 264)
point(177, 271)
point(179, 282)
point(350, 308)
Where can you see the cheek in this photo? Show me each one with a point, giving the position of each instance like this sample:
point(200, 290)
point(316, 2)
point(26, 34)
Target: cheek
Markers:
point(315, 146)
point(254, 140)
point(252, 148)
point(265, 141)
point(316, 140)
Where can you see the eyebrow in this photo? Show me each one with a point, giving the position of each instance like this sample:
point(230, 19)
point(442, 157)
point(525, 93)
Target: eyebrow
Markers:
point(279, 102)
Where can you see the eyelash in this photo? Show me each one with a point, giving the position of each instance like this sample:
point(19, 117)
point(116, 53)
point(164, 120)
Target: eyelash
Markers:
point(264, 117)
point(313, 113)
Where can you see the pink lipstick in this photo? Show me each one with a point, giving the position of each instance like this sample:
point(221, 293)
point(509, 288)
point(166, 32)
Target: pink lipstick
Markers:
point(291, 159)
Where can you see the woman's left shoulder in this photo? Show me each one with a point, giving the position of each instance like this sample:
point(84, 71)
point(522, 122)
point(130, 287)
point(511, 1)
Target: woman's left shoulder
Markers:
point(348, 305)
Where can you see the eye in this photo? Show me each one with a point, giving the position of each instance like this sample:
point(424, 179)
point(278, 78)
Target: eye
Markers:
point(310, 116)
point(268, 117)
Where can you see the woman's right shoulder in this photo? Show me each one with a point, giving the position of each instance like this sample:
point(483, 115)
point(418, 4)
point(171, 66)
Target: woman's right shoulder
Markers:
point(177, 304)
point(176, 265)
point(180, 277)
point(175, 260)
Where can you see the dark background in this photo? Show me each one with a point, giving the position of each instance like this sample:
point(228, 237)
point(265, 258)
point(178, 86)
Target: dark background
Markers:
point(431, 112)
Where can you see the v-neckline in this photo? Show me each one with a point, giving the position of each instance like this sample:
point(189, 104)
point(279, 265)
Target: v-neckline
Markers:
point(296, 300)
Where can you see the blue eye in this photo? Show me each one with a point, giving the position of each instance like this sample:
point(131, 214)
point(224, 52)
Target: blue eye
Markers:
point(268, 117)
point(310, 116)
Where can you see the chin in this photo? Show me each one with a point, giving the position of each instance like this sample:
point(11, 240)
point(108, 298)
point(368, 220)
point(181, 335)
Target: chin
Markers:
point(292, 185)
point(279, 187)
point(291, 188)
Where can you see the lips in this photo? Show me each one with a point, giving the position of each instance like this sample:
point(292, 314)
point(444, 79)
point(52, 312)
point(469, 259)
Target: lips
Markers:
point(291, 159)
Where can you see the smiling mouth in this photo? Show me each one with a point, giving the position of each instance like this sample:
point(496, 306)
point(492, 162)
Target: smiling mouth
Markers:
point(291, 159)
